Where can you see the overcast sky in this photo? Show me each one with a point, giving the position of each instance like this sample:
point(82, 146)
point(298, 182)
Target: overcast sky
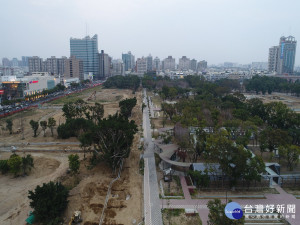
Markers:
point(214, 30)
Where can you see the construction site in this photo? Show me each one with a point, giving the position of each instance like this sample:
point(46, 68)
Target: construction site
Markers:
point(89, 188)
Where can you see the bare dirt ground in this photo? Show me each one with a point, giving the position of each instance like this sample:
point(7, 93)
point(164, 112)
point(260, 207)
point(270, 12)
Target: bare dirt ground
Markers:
point(108, 97)
point(13, 191)
point(292, 102)
point(90, 186)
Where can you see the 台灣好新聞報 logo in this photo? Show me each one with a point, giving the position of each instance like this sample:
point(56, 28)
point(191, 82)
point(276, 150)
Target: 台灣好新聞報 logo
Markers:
point(233, 211)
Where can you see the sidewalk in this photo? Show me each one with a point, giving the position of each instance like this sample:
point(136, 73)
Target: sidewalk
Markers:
point(152, 209)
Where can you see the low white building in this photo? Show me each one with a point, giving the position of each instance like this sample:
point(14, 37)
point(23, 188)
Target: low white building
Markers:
point(37, 83)
point(68, 82)
point(15, 87)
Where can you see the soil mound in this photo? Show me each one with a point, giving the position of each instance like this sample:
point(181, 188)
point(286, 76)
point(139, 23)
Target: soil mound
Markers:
point(44, 166)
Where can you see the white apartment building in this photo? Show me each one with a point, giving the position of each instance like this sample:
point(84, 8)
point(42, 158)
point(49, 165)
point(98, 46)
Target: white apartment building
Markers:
point(141, 66)
point(184, 63)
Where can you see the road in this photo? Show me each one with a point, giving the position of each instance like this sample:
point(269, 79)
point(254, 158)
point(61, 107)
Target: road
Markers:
point(152, 208)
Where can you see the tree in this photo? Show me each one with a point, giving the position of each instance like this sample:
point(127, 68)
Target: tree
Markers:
point(279, 115)
point(74, 163)
point(200, 178)
point(123, 82)
point(200, 146)
point(51, 124)
point(49, 201)
point(272, 138)
point(14, 163)
point(97, 112)
point(69, 110)
point(34, 126)
point(172, 93)
point(112, 139)
point(256, 107)
point(291, 153)
point(74, 128)
point(217, 214)
point(126, 106)
point(44, 126)
point(9, 125)
point(255, 166)
point(86, 141)
point(168, 109)
point(235, 160)
point(27, 164)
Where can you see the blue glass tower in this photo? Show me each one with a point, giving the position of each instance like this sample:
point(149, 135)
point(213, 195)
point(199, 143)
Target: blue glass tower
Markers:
point(129, 61)
point(286, 56)
point(86, 49)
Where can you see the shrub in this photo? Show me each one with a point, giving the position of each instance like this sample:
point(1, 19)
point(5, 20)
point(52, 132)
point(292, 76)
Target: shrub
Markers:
point(4, 168)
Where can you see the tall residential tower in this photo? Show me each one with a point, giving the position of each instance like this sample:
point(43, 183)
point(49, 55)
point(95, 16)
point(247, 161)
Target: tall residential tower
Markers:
point(129, 61)
point(282, 57)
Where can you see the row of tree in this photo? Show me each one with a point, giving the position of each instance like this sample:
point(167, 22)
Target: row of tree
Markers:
point(44, 125)
point(17, 165)
point(123, 82)
point(265, 84)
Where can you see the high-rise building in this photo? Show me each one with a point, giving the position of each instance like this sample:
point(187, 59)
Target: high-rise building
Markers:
point(202, 66)
point(61, 65)
point(184, 63)
point(25, 61)
point(272, 60)
point(149, 62)
point(129, 61)
point(156, 64)
point(73, 68)
point(14, 62)
point(35, 64)
point(169, 63)
point(193, 65)
point(118, 67)
point(141, 65)
point(86, 49)
point(51, 65)
point(6, 62)
point(286, 55)
point(104, 65)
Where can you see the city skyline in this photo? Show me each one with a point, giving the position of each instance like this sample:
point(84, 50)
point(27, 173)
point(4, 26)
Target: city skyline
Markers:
point(216, 31)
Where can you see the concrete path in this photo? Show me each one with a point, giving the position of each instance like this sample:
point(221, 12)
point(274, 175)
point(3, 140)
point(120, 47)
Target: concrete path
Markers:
point(152, 209)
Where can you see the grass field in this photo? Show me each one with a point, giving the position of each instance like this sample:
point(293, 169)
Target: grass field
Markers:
point(73, 97)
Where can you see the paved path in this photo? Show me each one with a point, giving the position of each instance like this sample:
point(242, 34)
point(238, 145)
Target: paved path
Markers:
point(185, 188)
point(152, 209)
point(201, 204)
